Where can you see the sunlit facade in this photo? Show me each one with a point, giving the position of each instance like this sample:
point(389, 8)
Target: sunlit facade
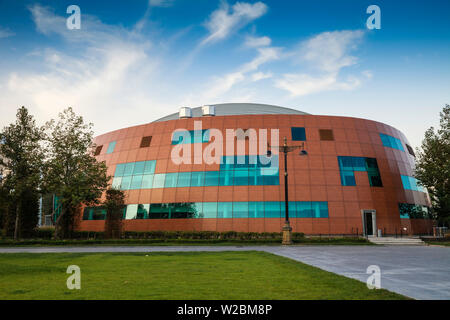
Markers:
point(357, 176)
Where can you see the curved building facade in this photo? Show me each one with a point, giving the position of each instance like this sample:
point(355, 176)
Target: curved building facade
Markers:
point(356, 175)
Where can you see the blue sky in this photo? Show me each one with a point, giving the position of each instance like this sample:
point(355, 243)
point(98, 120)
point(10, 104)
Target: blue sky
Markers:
point(135, 61)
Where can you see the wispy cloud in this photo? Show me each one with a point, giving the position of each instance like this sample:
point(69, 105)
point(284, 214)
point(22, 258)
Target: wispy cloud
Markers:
point(221, 85)
point(254, 42)
point(223, 21)
point(103, 72)
point(5, 33)
point(325, 54)
point(161, 3)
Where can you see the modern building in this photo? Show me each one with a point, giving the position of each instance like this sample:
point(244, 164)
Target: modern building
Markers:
point(357, 176)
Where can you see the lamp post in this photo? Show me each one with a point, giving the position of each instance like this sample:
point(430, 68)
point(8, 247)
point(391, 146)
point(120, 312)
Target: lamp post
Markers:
point(287, 229)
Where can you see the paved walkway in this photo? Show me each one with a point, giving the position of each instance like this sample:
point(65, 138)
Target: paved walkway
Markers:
point(420, 272)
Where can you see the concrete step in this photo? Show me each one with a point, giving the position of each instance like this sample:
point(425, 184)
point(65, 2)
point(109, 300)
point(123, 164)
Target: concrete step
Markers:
point(397, 241)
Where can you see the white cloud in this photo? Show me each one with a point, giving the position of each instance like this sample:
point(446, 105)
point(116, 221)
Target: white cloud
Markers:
point(326, 54)
point(221, 85)
point(103, 75)
point(5, 33)
point(224, 20)
point(255, 42)
point(260, 76)
point(160, 3)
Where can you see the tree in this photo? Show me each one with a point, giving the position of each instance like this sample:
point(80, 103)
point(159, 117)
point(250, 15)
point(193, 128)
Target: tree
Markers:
point(71, 172)
point(115, 205)
point(21, 157)
point(433, 166)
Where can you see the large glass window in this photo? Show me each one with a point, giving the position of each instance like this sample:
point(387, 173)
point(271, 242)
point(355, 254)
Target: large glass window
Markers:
point(126, 181)
point(117, 181)
point(391, 142)
point(136, 182)
point(171, 180)
point(241, 177)
point(298, 134)
point(256, 209)
point(147, 181)
point(209, 210)
point(197, 178)
point(131, 212)
point(129, 168)
point(111, 147)
point(211, 178)
point(142, 211)
point(304, 209)
point(226, 178)
point(272, 209)
point(225, 210)
point(150, 166)
point(348, 166)
point(158, 180)
point(411, 183)
point(184, 179)
point(139, 168)
point(240, 209)
point(119, 170)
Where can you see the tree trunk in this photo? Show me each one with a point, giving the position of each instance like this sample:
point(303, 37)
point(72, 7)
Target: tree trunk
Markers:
point(17, 224)
point(58, 225)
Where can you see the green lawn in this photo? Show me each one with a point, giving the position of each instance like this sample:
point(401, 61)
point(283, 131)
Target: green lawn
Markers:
point(187, 275)
point(439, 243)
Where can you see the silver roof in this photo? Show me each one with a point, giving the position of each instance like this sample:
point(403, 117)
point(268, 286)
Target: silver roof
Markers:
point(233, 109)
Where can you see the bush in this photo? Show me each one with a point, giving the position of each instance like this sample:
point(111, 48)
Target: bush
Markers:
point(45, 232)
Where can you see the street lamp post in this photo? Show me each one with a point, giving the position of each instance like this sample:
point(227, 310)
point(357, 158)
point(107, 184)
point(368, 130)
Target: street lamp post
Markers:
point(287, 229)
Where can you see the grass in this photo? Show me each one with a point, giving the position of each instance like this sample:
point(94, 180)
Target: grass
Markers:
point(178, 276)
point(439, 243)
point(177, 242)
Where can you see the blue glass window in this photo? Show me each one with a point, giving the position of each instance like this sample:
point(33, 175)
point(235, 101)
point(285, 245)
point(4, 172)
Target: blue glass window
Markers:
point(210, 210)
point(192, 210)
point(171, 180)
point(184, 179)
point(304, 209)
point(226, 178)
point(240, 178)
point(197, 178)
point(139, 168)
point(391, 142)
point(272, 209)
point(158, 180)
point(117, 181)
point(126, 181)
point(410, 183)
point(256, 209)
point(147, 181)
point(240, 209)
point(119, 170)
point(136, 182)
point(298, 134)
point(150, 166)
point(129, 168)
point(271, 176)
point(111, 147)
point(211, 178)
point(224, 209)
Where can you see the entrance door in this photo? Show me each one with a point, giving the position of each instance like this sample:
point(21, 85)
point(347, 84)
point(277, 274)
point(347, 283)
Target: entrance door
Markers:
point(369, 222)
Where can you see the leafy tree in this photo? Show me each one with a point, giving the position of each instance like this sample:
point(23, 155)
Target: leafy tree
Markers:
point(22, 157)
point(433, 166)
point(114, 204)
point(71, 171)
